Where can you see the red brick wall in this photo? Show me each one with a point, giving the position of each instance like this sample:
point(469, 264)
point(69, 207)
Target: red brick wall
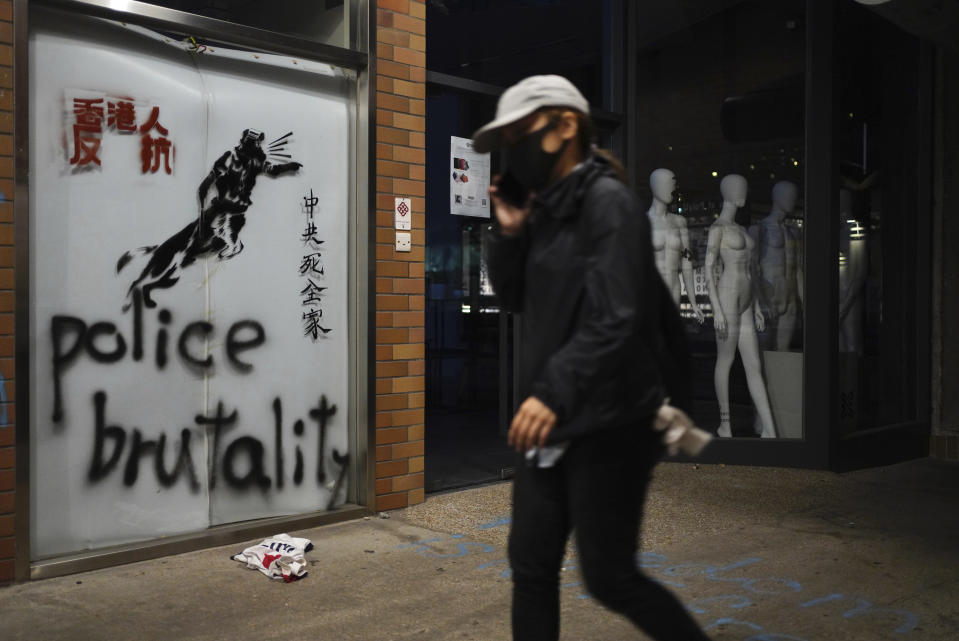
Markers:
point(400, 284)
point(7, 542)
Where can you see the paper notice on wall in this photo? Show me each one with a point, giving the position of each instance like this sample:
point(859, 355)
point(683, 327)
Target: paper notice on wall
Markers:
point(469, 179)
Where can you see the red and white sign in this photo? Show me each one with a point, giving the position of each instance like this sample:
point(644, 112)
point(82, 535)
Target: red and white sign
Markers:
point(403, 213)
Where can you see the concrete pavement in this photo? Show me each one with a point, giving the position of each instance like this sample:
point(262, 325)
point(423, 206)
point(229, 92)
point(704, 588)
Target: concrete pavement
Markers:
point(756, 553)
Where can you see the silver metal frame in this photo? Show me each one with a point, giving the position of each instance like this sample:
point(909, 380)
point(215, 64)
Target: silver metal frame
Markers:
point(360, 23)
point(630, 96)
point(21, 227)
point(212, 537)
point(203, 28)
point(365, 378)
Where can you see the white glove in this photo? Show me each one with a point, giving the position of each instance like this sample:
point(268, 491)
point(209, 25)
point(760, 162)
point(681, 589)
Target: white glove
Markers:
point(679, 431)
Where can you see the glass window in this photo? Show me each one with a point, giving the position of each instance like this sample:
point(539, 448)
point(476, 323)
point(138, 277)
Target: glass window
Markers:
point(321, 20)
point(503, 41)
point(720, 97)
point(879, 225)
point(189, 285)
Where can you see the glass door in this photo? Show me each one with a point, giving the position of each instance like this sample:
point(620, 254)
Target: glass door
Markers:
point(883, 221)
point(468, 338)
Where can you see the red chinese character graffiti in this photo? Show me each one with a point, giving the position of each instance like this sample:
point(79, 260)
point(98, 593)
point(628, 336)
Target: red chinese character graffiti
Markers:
point(153, 150)
point(86, 130)
point(122, 115)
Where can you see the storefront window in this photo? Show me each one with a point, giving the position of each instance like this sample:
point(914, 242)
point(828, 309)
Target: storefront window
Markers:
point(720, 158)
point(500, 42)
point(879, 222)
point(189, 248)
point(321, 20)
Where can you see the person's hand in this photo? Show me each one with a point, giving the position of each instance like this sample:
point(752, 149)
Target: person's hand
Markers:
point(679, 431)
point(511, 218)
point(760, 320)
point(719, 322)
point(532, 424)
point(674, 423)
point(668, 416)
point(700, 316)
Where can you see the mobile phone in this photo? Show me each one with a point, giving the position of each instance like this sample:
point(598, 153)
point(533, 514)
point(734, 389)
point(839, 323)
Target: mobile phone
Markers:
point(511, 190)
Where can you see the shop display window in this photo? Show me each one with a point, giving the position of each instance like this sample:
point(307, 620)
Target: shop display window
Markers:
point(721, 161)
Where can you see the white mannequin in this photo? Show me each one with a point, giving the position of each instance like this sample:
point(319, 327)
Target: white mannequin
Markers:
point(852, 275)
point(671, 241)
point(736, 313)
point(778, 254)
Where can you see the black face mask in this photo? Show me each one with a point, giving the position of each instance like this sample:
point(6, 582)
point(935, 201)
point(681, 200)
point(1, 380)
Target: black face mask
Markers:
point(528, 163)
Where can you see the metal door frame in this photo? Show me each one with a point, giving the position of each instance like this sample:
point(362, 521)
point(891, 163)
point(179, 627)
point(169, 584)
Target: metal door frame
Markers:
point(361, 304)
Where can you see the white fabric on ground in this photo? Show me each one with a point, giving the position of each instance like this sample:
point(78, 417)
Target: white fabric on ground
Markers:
point(279, 557)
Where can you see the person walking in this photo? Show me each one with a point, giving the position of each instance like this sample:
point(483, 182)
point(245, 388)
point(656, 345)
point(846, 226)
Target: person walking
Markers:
point(570, 249)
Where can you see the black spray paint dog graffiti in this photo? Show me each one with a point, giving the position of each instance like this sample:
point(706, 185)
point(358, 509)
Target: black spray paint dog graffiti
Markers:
point(222, 216)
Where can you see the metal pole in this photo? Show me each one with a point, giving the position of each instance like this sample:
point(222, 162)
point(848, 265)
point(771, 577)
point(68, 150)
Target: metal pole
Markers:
point(170, 20)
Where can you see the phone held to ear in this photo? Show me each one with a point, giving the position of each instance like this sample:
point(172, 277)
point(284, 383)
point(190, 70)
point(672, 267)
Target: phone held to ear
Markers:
point(511, 190)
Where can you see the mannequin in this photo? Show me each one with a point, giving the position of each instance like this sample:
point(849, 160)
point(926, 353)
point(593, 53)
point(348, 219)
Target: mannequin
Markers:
point(778, 253)
point(852, 275)
point(671, 241)
point(736, 313)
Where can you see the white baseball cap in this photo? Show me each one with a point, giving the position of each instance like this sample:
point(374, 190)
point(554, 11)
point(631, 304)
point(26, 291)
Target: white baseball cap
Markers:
point(522, 99)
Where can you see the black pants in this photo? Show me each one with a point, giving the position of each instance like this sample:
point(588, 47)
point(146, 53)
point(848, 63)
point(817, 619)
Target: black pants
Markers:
point(597, 489)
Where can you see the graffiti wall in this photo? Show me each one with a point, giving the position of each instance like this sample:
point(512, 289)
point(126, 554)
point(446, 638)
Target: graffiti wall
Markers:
point(188, 285)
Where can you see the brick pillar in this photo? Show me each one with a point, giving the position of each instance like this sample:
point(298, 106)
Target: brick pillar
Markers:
point(400, 282)
point(7, 541)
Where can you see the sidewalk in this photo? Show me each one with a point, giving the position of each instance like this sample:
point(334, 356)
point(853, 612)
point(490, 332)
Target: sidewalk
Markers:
point(756, 553)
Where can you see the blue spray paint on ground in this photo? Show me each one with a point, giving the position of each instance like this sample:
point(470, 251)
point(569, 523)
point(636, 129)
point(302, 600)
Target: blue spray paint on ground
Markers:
point(463, 549)
point(737, 601)
point(909, 620)
point(497, 523)
point(659, 564)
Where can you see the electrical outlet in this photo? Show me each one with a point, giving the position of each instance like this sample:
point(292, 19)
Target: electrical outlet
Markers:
point(404, 241)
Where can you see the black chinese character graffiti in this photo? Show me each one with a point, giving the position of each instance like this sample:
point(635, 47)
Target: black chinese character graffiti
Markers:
point(312, 265)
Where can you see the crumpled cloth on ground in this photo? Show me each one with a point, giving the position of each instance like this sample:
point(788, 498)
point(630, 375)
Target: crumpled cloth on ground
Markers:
point(279, 557)
point(680, 434)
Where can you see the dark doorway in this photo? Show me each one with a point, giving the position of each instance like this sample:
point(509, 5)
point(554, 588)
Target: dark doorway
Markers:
point(475, 49)
point(468, 338)
point(884, 229)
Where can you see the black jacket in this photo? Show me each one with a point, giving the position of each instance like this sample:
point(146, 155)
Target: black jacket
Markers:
point(583, 277)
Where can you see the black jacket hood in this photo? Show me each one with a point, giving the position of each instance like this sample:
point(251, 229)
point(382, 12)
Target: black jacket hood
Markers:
point(562, 199)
